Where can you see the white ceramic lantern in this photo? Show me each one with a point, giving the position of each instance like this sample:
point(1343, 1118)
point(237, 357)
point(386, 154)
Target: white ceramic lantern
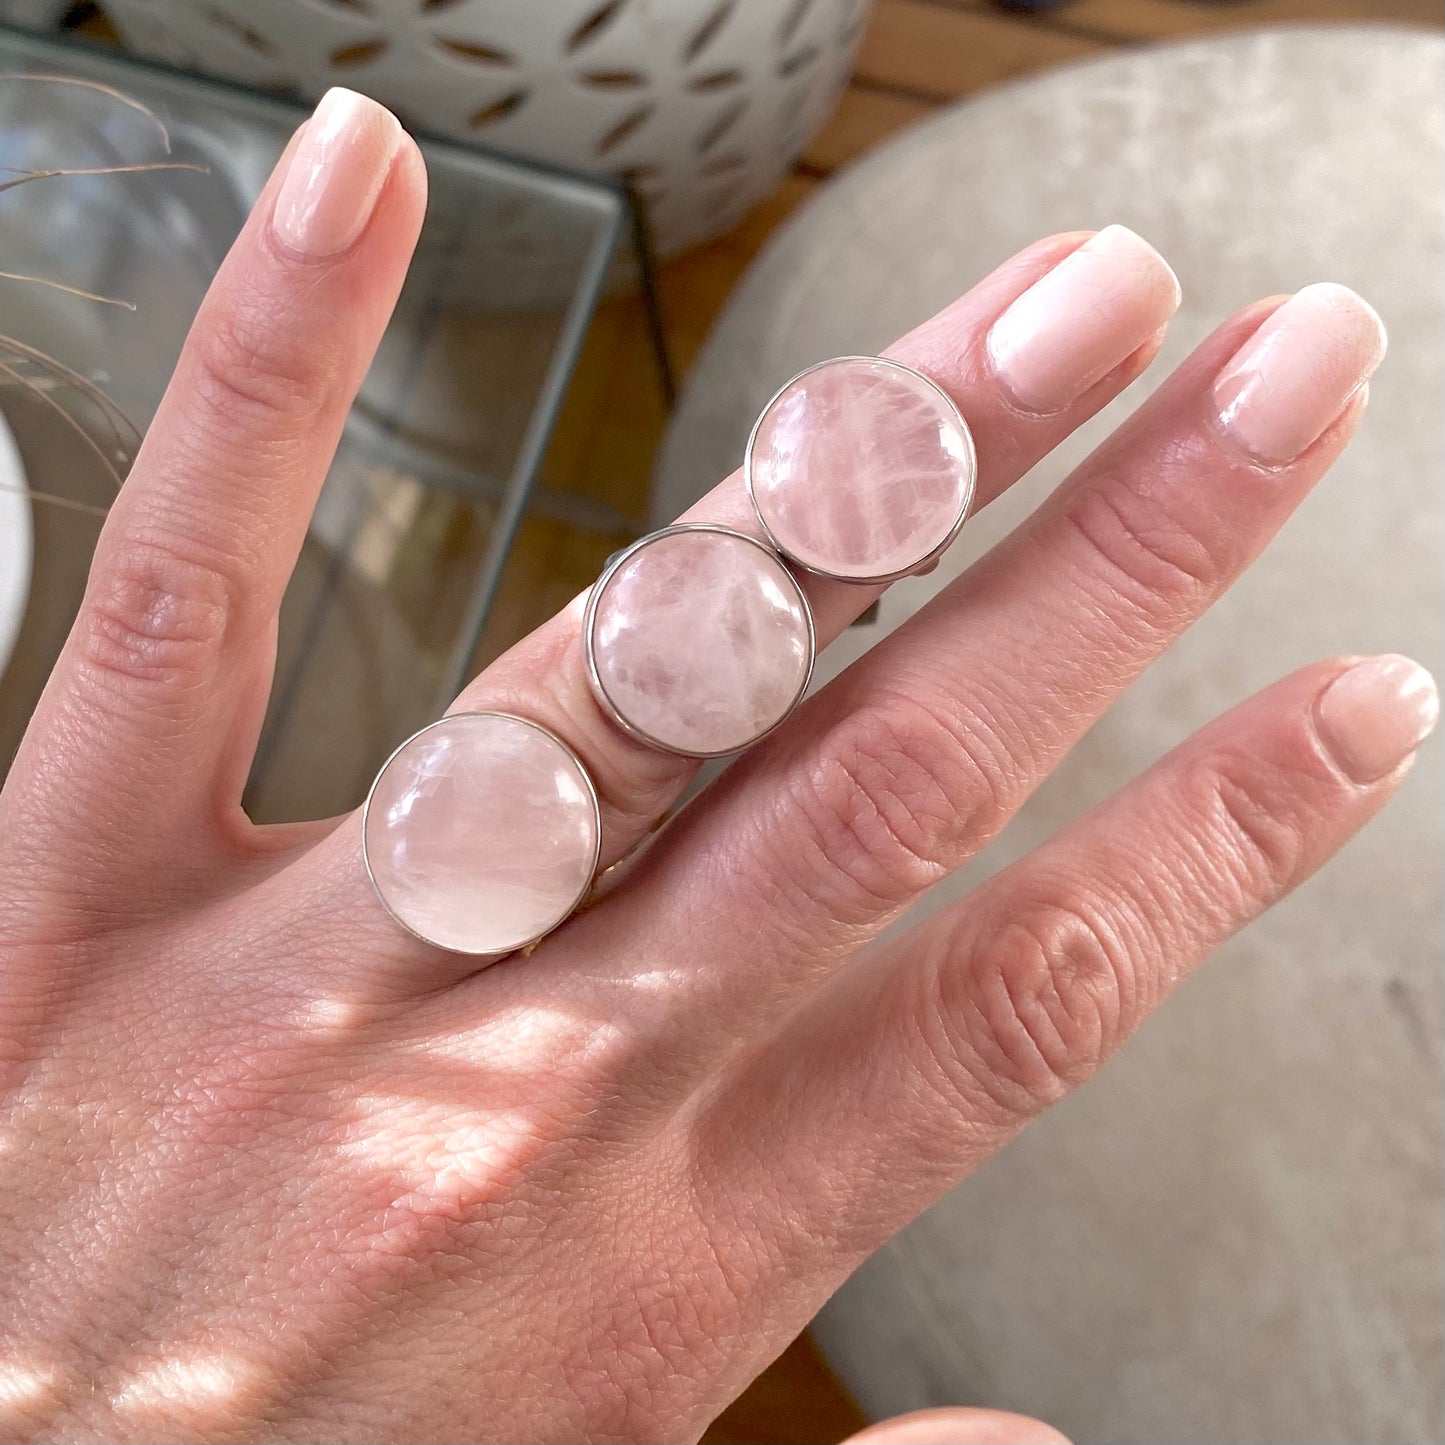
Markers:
point(701, 104)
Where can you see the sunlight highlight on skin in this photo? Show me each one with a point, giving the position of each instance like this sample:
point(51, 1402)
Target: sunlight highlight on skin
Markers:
point(203, 1381)
point(446, 1162)
point(479, 1108)
point(654, 980)
point(25, 1384)
point(531, 1037)
point(332, 1014)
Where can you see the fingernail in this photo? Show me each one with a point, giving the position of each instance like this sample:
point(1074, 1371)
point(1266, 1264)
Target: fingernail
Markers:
point(335, 174)
point(1292, 378)
point(1075, 324)
point(1372, 717)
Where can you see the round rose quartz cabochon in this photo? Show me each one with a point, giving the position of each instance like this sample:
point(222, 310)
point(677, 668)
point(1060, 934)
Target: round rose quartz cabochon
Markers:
point(861, 469)
point(481, 833)
point(701, 640)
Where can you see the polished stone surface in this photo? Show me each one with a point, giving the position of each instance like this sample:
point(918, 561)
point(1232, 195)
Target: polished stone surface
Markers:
point(860, 469)
point(481, 833)
point(701, 641)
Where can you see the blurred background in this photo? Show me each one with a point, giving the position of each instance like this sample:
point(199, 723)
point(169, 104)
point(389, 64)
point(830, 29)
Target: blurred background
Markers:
point(644, 218)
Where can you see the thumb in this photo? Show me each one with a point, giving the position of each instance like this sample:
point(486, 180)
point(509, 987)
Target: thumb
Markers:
point(959, 1427)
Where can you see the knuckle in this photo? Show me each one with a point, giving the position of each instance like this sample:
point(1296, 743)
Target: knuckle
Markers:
point(1145, 556)
point(156, 616)
point(1259, 845)
point(1037, 1007)
point(887, 807)
point(256, 370)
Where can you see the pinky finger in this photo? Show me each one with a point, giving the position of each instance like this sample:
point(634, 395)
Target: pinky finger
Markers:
point(930, 1054)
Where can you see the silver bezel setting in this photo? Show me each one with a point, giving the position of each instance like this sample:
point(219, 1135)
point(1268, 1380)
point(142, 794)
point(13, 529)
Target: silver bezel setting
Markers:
point(591, 788)
point(913, 568)
point(589, 619)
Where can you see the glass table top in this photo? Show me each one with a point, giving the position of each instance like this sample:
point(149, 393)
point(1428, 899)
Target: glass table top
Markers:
point(411, 550)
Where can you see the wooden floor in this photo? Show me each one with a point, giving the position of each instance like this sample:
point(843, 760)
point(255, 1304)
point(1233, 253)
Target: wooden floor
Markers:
point(917, 55)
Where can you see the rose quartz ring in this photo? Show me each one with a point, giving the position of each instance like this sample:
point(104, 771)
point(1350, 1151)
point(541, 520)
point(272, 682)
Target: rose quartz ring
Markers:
point(699, 640)
point(861, 469)
point(481, 833)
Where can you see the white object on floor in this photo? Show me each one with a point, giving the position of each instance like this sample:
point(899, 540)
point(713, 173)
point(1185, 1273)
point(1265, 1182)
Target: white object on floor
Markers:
point(16, 544)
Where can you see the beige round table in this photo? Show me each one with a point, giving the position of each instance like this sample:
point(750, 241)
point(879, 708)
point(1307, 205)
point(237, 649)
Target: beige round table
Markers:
point(1235, 1233)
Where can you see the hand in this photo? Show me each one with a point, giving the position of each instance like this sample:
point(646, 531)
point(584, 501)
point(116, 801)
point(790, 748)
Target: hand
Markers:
point(276, 1170)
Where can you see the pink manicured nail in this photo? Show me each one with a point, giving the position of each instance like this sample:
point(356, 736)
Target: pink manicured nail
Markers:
point(335, 174)
point(1293, 377)
point(1374, 716)
point(1073, 326)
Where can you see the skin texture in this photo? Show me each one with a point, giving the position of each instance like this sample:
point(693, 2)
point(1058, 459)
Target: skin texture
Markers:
point(275, 1170)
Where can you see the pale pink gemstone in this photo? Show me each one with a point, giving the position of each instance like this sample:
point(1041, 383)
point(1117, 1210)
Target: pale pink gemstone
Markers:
point(861, 469)
point(481, 833)
point(701, 641)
